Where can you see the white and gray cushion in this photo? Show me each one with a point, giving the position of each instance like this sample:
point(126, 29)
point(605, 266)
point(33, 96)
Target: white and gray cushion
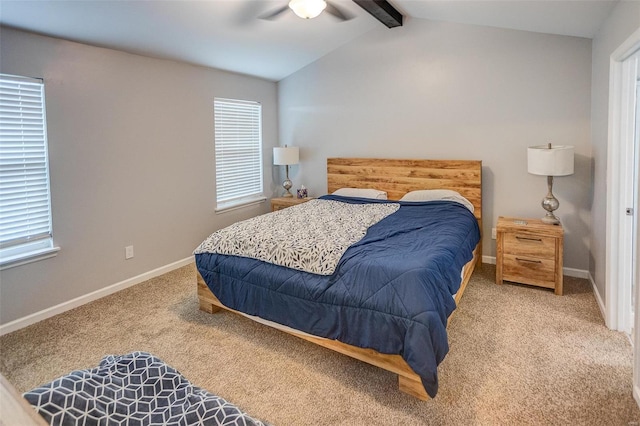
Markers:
point(135, 389)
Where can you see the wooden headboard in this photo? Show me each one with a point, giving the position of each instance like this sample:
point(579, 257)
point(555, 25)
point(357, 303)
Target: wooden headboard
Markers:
point(397, 177)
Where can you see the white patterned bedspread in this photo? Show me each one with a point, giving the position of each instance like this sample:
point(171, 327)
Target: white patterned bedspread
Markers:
point(310, 237)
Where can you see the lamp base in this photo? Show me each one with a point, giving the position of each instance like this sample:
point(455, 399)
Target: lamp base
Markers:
point(287, 186)
point(551, 219)
point(550, 203)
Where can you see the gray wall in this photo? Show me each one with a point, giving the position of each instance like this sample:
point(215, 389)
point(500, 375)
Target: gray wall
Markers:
point(622, 22)
point(452, 91)
point(131, 162)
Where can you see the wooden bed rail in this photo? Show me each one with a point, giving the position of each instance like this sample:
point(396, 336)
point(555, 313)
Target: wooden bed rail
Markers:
point(408, 381)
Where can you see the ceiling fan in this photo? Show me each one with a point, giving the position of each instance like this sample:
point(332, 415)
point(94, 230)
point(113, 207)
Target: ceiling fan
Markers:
point(308, 9)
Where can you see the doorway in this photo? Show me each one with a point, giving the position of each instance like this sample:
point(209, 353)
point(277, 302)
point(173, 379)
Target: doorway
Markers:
point(623, 245)
point(629, 146)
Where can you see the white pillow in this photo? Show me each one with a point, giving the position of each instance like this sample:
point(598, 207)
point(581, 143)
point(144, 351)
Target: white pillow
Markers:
point(361, 193)
point(437, 194)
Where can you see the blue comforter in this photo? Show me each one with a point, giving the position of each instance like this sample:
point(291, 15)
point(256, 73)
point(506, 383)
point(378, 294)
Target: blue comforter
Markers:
point(392, 290)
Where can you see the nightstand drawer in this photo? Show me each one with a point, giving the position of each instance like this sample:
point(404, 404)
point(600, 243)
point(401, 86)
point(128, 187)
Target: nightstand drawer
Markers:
point(529, 270)
point(284, 202)
point(277, 207)
point(529, 245)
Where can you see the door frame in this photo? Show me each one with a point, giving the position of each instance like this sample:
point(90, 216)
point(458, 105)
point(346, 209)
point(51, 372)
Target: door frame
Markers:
point(619, 226)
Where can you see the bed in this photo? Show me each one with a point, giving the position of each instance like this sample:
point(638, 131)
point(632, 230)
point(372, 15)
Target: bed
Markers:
point(411, 339)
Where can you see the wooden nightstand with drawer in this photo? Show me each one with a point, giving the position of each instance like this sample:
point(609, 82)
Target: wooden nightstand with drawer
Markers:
point(280, 203)
point(529, 252)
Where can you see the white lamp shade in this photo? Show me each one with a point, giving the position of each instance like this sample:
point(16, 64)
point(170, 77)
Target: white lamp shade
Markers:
point(284, 156)
point(554, 161)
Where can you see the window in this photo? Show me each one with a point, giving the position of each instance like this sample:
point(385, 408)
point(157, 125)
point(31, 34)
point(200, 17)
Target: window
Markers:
point(238, 145)
point(25, 206)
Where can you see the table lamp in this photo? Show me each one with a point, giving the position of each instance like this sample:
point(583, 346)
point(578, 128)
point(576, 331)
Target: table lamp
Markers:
point(286, 156)
point(550, 161)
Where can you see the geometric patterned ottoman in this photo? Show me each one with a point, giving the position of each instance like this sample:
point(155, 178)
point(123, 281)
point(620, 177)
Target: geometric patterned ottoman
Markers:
point(135, 389)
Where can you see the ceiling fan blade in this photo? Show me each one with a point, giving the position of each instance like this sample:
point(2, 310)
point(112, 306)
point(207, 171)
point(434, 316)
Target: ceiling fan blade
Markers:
point(270, 16)
point(339, 13)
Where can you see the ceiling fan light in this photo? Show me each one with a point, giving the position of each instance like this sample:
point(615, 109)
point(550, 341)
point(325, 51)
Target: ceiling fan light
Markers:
point(307, 9)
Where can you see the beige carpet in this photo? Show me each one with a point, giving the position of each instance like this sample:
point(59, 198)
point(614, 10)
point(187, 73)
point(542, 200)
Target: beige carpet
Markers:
point(519, 355)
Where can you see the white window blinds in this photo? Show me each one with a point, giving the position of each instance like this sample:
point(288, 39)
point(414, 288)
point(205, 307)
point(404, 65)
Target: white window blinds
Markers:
point(25, 208)
point(238, 148)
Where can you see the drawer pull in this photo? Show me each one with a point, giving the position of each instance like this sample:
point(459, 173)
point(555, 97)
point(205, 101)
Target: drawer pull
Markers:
point(528, 260)
point(528, 239)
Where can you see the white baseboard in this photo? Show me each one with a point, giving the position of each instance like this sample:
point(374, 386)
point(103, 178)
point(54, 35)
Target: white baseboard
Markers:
point(576, 273)
point(636, 396)
point(90, 297)
point(491, 260)
point(570, 272)
point(598, 297)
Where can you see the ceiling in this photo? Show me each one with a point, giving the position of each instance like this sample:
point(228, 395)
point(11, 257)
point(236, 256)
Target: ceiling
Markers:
point(226, 34)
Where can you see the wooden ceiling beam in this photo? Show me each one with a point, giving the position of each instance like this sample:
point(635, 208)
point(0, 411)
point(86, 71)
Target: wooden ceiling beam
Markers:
point(382, 11)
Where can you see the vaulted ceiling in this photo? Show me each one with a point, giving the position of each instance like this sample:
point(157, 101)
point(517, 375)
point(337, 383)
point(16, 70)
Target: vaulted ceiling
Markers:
point(227, 34)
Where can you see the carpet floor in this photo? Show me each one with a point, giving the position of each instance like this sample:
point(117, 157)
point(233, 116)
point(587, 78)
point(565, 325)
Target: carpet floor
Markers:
point(518, 355)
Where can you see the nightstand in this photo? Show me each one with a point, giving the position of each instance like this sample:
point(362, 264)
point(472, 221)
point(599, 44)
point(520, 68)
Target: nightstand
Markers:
point(529, 252)
point(284, 202)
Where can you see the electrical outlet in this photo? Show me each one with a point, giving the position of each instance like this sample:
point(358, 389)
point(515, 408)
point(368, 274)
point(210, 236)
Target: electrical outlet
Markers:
point(128, 252)
point(494, 233)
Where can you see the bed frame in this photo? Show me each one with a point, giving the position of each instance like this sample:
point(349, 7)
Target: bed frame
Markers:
point(396, 177)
